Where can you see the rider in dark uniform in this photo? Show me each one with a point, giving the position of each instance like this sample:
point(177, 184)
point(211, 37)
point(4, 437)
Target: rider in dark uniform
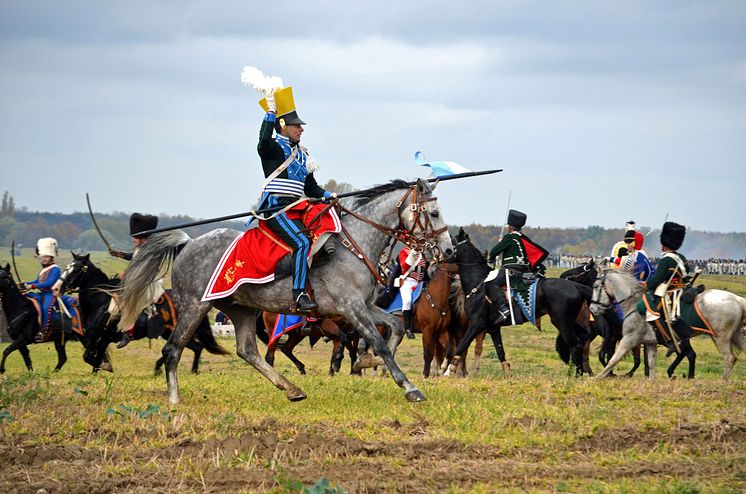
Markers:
point(139, 223)
point(284, 153)
point(671, 273)
point(672, 268)
point(512, 247)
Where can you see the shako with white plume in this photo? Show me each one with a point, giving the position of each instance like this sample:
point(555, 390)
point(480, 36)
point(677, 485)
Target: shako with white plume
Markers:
point(255, 79)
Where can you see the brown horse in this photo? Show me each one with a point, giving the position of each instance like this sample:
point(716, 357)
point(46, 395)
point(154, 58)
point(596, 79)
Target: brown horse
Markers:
point(433, 316)
point(333, 328)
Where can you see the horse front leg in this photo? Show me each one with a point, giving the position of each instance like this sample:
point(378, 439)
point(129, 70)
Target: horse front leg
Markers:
point(363, 321)
point(627, 343)
point(497, 340)
point(636, 362)
point(26, 357)
point(10, 349)
point(651, 352)
point(244, 320)
point(59, 345)
point(463, 345)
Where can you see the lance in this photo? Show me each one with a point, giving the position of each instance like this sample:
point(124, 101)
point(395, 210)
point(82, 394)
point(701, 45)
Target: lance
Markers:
point(339, 196)
point(13, 259)
point(93, 218)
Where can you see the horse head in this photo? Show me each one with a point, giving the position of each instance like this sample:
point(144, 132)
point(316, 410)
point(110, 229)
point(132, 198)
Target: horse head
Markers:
point(6, 279)
point(613, 286)
point(585, 274)
point(74, 273)
point(425, 226)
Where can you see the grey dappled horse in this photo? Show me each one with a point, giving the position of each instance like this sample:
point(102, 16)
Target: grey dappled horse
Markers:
point(725, 311)
point(344, 286)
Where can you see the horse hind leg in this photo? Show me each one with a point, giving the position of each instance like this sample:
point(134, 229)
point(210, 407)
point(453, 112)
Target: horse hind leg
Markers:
point(726, 350)
point(186, 325)
point(244, 320)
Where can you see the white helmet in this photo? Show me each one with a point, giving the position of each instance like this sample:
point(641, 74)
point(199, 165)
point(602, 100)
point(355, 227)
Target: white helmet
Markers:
point(46, 247)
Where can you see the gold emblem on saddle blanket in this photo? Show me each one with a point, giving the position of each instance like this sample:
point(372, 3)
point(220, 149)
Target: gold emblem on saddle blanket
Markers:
point(230, 273)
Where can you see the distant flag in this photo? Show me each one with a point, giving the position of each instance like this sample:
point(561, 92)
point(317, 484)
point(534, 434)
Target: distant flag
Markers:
point(439, 168)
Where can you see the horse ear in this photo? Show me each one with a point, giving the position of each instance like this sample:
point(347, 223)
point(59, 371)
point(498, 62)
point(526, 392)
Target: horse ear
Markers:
point(7, 267)
point(423, 186)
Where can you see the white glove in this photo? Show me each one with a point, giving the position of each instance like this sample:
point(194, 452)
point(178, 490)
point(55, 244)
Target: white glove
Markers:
point(412, 257)
point(271, 104)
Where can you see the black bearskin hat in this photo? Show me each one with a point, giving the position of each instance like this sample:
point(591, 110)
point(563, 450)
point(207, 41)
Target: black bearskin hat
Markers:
point(141, 223)
point(672, 235)
point(516, 219)
point(629, 236)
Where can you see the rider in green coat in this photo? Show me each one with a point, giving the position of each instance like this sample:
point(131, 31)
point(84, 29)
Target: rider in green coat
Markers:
point(519, 254)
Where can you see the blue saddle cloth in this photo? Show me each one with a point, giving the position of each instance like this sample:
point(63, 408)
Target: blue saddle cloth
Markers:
point(527, 303)
point(396, 303)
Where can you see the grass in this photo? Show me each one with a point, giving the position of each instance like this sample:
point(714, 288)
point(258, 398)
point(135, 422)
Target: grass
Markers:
point(541, 431)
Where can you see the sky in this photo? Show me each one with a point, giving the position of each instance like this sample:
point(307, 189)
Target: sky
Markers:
point(598, 112)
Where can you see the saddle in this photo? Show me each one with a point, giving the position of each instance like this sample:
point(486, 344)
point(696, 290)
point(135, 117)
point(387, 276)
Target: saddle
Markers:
point(57, 319)
point(686, 318)
point(257, 255)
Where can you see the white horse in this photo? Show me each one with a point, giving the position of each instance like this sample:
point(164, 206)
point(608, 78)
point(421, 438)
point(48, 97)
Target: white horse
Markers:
point(725, 311)
point(344, 286)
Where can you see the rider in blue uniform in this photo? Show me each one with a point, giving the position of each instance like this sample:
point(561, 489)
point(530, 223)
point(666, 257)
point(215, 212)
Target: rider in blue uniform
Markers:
point(46, 249)
point(289, 172)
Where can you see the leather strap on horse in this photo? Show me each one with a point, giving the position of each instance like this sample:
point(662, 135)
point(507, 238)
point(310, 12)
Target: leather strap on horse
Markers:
point(353, 247)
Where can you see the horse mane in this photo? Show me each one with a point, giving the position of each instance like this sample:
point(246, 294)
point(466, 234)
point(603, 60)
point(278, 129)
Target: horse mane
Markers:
point(473, 252)
point(627, 279)
point(366, 196)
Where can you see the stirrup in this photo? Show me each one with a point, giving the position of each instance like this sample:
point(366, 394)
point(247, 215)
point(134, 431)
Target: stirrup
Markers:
point(502, 316)
point(304, 303)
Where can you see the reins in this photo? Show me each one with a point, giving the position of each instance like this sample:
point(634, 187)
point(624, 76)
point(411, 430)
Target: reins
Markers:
point(398, 234)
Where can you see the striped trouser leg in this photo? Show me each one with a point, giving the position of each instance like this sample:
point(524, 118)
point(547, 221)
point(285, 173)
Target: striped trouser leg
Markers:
point(290, 233)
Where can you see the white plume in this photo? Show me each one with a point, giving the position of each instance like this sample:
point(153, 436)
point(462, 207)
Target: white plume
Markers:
point(255, 79)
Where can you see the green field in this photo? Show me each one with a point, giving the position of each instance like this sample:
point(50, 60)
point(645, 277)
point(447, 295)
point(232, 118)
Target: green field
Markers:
point(541, 431)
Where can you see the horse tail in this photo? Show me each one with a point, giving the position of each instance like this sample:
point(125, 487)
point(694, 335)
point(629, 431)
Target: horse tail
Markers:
point(562, 349)
point(205, 336)
point(151, 262)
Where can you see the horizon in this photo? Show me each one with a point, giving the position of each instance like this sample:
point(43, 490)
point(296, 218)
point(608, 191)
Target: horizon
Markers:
point(596, 112)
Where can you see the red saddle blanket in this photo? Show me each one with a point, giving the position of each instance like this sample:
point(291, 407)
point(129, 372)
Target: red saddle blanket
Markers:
point(253, 256)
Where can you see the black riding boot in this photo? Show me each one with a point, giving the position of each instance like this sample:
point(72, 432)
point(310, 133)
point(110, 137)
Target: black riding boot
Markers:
point(124, 341)
point(303, 302)
point(497, 295)
point(407, 316)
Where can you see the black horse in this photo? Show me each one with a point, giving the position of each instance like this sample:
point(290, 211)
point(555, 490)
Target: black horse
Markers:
point(94, 293)
point(608, 326)
point(23, 323)
point(561, 300)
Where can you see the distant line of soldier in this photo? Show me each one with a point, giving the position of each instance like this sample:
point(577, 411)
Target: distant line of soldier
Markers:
point(708, 266)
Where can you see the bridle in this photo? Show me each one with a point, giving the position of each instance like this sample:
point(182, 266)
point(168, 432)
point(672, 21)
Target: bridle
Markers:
point(602, 285)
point(420, 236)
point(71, 269)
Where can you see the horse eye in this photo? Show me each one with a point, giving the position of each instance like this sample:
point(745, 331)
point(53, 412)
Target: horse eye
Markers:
point(435, 213)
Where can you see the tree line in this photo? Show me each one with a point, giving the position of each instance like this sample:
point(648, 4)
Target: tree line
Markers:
point(75, 232)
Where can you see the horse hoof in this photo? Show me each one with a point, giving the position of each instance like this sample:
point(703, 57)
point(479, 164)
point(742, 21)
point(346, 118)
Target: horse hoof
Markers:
point(414, 396)
point(296, 394)
point(367, 360)
point(106, 366)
